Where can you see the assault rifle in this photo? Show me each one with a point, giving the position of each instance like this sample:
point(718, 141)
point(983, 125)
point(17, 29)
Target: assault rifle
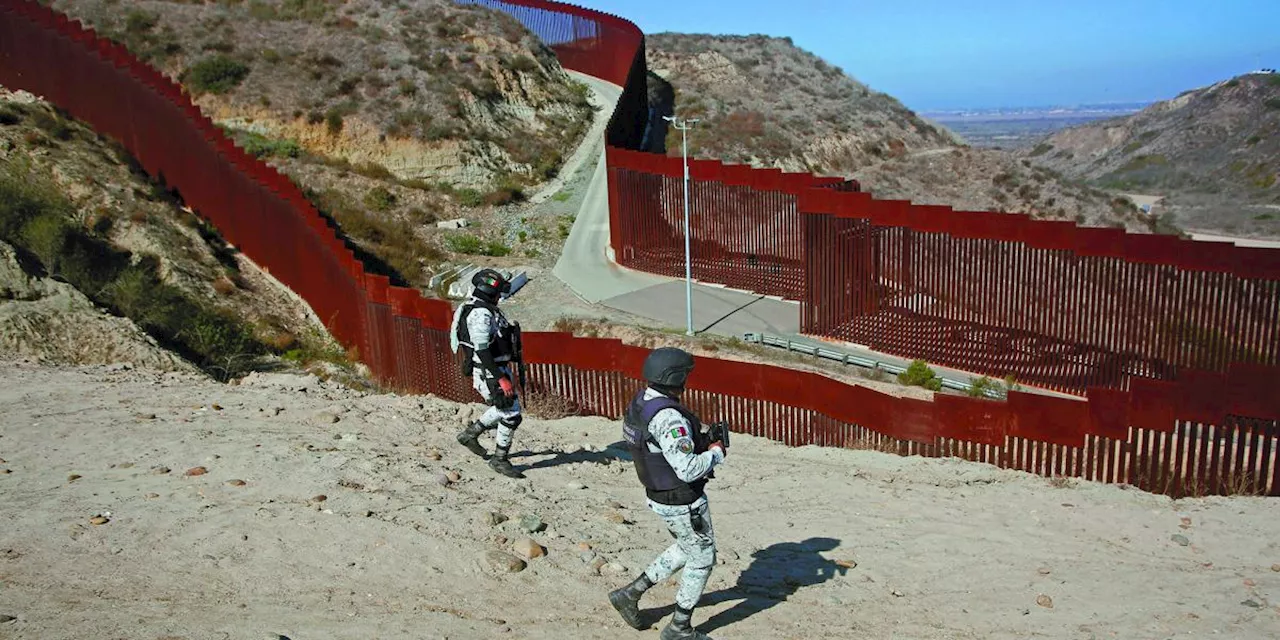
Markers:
point(714, 432)
point(517, 355)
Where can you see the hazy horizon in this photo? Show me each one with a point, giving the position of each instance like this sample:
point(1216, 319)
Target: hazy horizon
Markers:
point(939, 55)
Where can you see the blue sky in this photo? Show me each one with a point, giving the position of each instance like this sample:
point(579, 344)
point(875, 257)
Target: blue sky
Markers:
point(940, 54)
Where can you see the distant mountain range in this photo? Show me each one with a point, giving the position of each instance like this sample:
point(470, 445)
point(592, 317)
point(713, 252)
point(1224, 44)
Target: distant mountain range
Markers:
point(1084, 111)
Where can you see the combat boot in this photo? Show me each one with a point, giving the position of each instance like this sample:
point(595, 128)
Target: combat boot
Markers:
point(681, 627)
point(627, 601)
point(500, 464)
point(470, 438)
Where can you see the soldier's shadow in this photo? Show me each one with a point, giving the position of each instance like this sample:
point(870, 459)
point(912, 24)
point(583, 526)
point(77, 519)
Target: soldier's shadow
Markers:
point(615, 451)
point(776, 573)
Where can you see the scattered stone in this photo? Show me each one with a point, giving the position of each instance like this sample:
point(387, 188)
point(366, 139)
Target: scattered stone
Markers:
point(615, 517)
point(504, 562)
point(1250, 583)
point(73, 477)
point(501, 540)
point(848, 564)
point(1044, 601)
point(4, 619)
point(582, 546)
point(237, 482)
point(5, 472)
point(614, 504)
point(615, 568)
point(348, 437)
point(196, 471)
point(1044, 571)
point(275, 411)
point(587, 557)
point(98, 520)
point(125, 465)
point(532, 523)
point(152, 496)
point(1186, 523)
point(575, 486)
point(529, 549)
point(1275, 567)
point(1180, 539)
point(1252, 604)
point(160, 470)
point(442, 480)
point(493, 518)
point(598, 564)
point(433, 454)
point(146, 416)
point(320, 498)
point(897, 594)
point(216, 407)
point(453, 476)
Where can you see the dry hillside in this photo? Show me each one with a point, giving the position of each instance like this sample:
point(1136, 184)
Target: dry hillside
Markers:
point(765, 102)
point(1214, 153)
point(99, 264)
point(390, 116)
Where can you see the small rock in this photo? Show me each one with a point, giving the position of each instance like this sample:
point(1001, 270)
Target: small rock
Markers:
point(4, 619)
point(320, 498)
point(442, 480)
point(532, 524)
point(529, 549)
point(196, 471)
point(159, 471)
point(275, 411)
point(615, 568)
point(501, 540)
point(587, 557)
point(152, 496)
point(5, 472)
point(848, 564)
point(125, 465)
point(614, 504)
point(1252, 604)
point(216, 407)
point(897, 594)
point(582, 546)
point(453, 476)
point(615, 517)
point(348, 437)
point(598, 564)
point(1250, 583)
point(433, 455)
point(98, 520)
point(146, 416)
point(575, 486)
point(237, 482)
point(1186, 523)
point(325, 418)
point(1044, 601)
point(1044, 571)
point(1180, 539)
point(504, 562)
point(1275, 567)
point(493, 518)
point(73, 477)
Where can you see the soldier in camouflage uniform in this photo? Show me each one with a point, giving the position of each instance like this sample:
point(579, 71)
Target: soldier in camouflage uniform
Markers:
point(663, 437)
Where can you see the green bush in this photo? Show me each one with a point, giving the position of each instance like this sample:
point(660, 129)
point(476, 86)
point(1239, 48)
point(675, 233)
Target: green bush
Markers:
point(920, 375)
point(260, 146)
point(379, 199)
point(9, 116)
point(138, 21)
point(1272, 103)
point(985, 387)
point(52, 124)
point(472, 245)
point(215, 74)
point(1041, 149)
point(333, 121)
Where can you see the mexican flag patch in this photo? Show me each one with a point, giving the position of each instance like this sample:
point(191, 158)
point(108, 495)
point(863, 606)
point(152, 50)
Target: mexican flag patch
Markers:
point(679, 432)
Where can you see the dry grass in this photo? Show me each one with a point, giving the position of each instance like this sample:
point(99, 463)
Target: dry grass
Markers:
point(547, 405)
point(865, 443)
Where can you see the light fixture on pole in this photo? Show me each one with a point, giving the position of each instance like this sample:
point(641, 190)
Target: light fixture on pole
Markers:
point(684, 125)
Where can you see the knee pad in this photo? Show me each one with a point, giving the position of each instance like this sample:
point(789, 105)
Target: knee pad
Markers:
point(512, 422)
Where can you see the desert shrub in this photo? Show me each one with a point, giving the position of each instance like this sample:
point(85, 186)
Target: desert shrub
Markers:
point(260, 146)
point(139, 21)
point(53, 124)
point(472, 245)
point(333, 121)
point(918, 374)
point(215, 74)
point(1041, 149)
point(985, 387)
point(9, 116)
point(379, 199)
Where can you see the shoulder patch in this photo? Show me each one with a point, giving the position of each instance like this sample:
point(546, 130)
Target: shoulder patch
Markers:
point(685, 445)
point(679, 432)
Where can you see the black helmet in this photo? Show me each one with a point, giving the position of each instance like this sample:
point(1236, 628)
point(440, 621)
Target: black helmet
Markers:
point(668, 367)
point(490, 285)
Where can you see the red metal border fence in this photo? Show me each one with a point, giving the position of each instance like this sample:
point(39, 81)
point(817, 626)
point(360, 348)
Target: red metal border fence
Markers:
point(1207, 433)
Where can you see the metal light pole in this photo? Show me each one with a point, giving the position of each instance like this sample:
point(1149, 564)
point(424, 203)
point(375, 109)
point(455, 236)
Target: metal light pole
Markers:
point(684, 125)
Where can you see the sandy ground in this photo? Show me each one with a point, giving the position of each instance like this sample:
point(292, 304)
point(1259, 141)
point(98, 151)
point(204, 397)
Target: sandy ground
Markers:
point(814, 543)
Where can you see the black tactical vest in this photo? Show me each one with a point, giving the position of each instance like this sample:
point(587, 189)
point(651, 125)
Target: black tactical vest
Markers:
point(660, 481)
point(504, 345)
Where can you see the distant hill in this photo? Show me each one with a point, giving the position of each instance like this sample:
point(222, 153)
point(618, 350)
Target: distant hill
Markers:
point(765, 102)
point(1213, 153)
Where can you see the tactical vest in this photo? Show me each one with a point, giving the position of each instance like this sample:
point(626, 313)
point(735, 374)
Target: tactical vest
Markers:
point(504, 345)
point(660, 481)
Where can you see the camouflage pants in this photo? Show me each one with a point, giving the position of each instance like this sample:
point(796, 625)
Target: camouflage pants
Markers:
point(503, 419)
point(694, 549)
